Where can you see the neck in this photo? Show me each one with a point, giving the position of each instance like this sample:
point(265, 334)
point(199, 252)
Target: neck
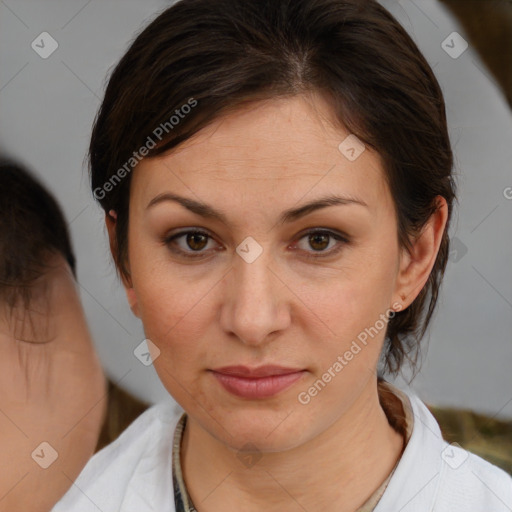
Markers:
point(338, 470)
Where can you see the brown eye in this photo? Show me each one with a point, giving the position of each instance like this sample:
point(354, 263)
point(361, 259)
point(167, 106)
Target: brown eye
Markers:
point(192, 246)
point(196, 240)
point(320, 241)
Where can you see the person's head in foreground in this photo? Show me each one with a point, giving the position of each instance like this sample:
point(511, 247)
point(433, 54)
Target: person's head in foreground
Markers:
point(276, 178)
point(49, 372)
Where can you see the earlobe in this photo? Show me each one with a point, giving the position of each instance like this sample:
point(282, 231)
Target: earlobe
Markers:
point(417, 262)
point(132, 301)
point(110, 222)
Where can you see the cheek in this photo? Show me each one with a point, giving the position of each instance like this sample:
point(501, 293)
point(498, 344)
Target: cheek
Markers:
point(173, 320)
point(167, 297)
point(347, 311)
point(172, 315)
point(351, 306)
point(176, 314)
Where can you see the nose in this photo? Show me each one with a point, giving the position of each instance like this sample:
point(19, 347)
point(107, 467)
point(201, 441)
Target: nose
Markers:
point(255, 305)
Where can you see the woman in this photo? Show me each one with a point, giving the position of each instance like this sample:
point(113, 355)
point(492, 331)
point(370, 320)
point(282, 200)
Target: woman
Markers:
point(276, 179)
point(52, 387)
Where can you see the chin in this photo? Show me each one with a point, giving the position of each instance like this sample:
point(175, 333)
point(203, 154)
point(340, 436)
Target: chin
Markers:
point(268, 430)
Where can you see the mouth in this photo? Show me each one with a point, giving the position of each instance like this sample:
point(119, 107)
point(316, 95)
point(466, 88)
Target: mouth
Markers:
point(257, 383)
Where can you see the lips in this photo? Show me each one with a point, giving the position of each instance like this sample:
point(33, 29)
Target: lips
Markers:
point(260, 371)
point(257, 383)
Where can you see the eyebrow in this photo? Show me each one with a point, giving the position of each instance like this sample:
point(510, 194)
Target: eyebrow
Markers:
point(292, 214)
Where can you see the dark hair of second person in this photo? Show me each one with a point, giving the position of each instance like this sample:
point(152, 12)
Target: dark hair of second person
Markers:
point(32, 226)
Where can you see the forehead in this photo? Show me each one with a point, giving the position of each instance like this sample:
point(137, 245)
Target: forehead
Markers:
point(281, 149)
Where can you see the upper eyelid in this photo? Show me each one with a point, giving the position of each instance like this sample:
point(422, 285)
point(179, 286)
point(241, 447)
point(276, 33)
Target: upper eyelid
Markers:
point(339, 236)
point(301, 234)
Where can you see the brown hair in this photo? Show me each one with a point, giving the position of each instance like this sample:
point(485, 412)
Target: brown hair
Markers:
point(32, 230)
point(221, 55)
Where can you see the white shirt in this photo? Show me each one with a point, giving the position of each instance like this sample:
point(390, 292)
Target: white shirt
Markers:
point(134, 473)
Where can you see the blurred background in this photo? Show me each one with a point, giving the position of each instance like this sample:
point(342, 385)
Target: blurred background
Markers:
point(55, 58)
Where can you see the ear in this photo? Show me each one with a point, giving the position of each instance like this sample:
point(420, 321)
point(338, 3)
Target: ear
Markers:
point(417, 263)
point(110, 222)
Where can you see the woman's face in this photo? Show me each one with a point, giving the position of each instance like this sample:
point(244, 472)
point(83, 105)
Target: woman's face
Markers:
point(254, 289)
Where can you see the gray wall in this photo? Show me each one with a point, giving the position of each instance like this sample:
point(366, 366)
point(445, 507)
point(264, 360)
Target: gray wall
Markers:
point(47, 108)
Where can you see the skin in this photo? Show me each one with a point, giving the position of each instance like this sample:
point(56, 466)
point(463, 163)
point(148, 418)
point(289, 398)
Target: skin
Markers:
point(282, 308)
point(52, 389)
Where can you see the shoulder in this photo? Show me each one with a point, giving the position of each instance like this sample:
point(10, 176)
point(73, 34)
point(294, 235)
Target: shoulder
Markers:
point(472, 482)
point(465, 481)
point(433, 475)
point(136, 469)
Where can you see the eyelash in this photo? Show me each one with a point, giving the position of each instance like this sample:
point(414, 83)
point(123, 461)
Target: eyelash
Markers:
point(320, 254)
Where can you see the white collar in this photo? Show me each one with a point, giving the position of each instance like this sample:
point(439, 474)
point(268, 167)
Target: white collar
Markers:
point(414, 484)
